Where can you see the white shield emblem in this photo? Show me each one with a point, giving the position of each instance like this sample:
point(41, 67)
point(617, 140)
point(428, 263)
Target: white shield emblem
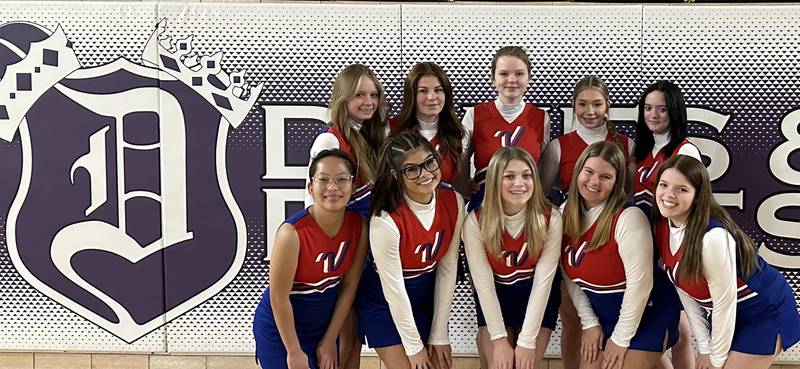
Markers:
point(123, 211)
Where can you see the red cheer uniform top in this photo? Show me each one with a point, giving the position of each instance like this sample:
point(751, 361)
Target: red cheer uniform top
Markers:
point(516, 263)
point(491, 132)
point(698, 289)
point(322, 260)
point(421, 249)
point(572, 146)
point(600, 271)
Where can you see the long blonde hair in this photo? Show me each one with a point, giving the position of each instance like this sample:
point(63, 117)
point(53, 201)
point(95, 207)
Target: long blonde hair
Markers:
point(612, 154)
point(364, 143)
point(491, 219)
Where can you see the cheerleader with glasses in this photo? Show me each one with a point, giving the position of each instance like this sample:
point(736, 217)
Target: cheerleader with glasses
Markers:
point(358, 112)
point(315, 267)
point(405, 294)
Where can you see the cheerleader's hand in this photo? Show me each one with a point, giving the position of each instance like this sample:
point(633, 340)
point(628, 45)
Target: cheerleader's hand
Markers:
point(420, 360)
point(590, 343)
point(613, 355)
point(442, 355)
point(297, 360)
point(704, 362)
point(503, 354)
point(524, 358)
point(327, 354)
point(467, 187)
point(474, 187)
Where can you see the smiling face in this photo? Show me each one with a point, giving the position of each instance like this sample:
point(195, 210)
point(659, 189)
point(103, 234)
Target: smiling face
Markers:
point(429, 98)
point(362, 105)
point(674, 196)
point(510, 78)
point(331, 185)
point(516, 187)
point(590, 108)
point(656, 115)
point(596, 181)
point(420, 189)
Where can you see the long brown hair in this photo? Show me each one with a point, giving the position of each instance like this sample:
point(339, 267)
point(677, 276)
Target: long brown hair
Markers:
point(491, 219)
point(704, 208)
point(365, 142)
point(388, 189)
point(612, 154)
point(450, 130)
point(598, 84)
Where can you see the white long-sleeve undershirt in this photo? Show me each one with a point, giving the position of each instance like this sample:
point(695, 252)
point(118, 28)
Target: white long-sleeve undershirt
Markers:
point(384, 237)
point(428, 129)
point(483, 277)
point(635, 245)
point(719, 270)
point(661, 140)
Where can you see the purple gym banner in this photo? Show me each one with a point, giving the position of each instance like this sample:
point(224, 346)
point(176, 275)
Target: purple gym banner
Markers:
point(149, 151)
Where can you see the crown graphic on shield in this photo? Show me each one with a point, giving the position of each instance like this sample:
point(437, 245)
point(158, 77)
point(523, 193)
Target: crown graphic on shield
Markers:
point(229, 93)
point(44, 64)
point(123, 212)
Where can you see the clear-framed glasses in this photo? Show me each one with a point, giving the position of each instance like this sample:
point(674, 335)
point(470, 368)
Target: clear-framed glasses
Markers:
point(341, 181)
point(412, 172)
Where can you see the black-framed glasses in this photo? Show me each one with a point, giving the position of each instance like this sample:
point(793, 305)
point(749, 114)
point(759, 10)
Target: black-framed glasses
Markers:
point(338, 181)
point(412, 172)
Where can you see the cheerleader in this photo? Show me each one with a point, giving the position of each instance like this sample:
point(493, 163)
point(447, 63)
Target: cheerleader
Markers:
point(660, 135)
point(358, 113)
point(590, 104)
point(507, 121)
point(512, 244)
point(428, 108)
point(405, 294)
point(315, 267)
point(627, 311)
point(742, 310)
